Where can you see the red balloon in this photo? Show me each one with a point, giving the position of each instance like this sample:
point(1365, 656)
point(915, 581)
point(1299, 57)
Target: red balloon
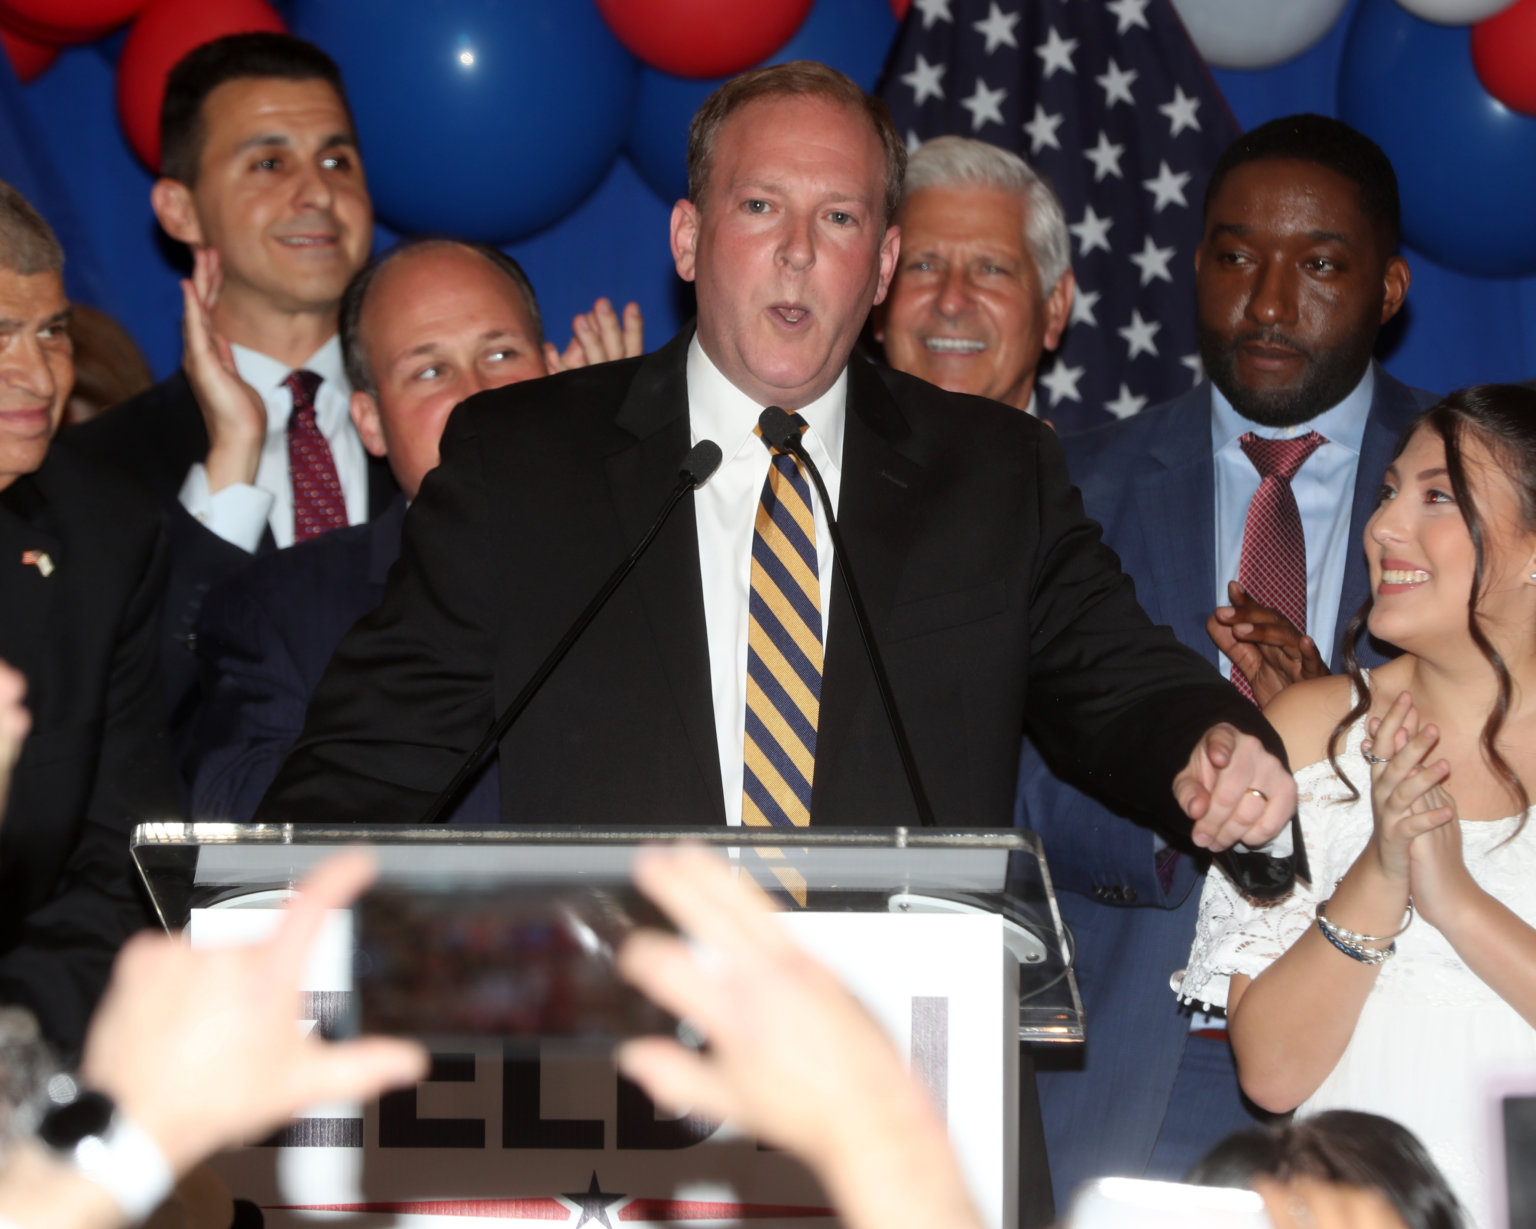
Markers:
point(163, 33)
point(29, 58)
point(703, 38)
point(900, 7)
point(1504, 55)
point(67, 21)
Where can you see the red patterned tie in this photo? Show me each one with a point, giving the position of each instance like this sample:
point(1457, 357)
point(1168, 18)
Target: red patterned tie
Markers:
point(318, 503)
point(1274, 565)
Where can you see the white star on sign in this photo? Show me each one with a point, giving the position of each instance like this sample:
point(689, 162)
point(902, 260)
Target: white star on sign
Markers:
point(1153, 262)
point(1138, 335)
point(1061, 382)
point(1129, 13)
point(1181, 112)
point(1105, 157)
point(1057, 53)
point(1196, 367)
point(998, 28)
point(926, 80)
point(1166, 187)
point(1092, 232)
point(1083, 303)
point(932, 11)
point(1042, 130)
point(984, 105)
point(1126, 405)
point(1117, 85)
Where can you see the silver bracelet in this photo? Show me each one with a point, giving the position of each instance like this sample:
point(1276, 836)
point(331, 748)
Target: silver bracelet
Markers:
point(1351, 936)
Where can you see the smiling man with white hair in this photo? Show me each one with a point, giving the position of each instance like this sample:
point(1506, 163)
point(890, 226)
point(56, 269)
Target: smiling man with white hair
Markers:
point(984, 285)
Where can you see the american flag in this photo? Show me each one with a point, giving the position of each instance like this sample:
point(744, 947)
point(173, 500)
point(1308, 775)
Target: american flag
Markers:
point(1112, 103)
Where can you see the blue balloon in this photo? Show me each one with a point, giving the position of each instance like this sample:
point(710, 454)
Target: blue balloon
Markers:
point(1466, 163)
point(853, 36)
point(488, 119)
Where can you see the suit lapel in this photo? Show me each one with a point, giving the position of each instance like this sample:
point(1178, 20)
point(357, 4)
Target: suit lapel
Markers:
point(881, 490)
point(655, 412)
point(30, 556)
point(1175, 500)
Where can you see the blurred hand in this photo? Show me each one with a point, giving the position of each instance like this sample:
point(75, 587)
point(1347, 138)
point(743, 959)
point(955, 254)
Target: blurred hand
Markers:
point(1235, 790)
point(202, 1047)
point(1267, 647)
point(599, 338)
point(15, 722)
point(233, 412)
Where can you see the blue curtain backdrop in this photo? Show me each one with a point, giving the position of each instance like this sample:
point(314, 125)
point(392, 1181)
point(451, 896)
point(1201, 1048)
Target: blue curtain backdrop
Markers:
point(61, 144)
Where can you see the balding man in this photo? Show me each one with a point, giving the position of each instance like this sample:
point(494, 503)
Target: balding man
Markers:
point(426, 326)
point(984, 284)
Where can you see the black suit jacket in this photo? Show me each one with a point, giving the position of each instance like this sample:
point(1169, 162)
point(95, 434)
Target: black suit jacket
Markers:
point(95, 763)
point(996, 604)
point(157, 437)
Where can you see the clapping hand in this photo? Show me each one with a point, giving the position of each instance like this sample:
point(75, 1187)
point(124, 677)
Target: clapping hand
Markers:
point(1407, 795)
point(15, 721)
point(233, 411)
point(599, 338)
point(1267, 647)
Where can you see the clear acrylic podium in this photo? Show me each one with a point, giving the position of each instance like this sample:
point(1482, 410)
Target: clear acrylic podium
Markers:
point(951, 938)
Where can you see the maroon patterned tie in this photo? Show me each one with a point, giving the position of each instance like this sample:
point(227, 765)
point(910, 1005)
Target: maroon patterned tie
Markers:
point(1274, 565)
point(318, 503)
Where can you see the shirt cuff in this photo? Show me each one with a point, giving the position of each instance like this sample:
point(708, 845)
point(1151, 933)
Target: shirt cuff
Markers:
point(238, 513)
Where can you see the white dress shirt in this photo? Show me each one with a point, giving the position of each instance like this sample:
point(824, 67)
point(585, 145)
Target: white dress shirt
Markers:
point(1325, 492)
point(725, 508)
point(240, 511)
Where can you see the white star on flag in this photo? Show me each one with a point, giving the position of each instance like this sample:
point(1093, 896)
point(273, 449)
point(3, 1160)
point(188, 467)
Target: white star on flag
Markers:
point(984, 105)
point(1153, 262)
point(1083, 303)
point(1117, 85)
point(1138, 335)
point(1196, 367)
point(1166, 188)
point(926, 80)
point(1092, 232)
point(1126, 405)
point(998, 28)
point(1105, 157)
point(914, 142)
point(1042, 130)
point(1056, 52)
point(1129, 13)
point(1061, 382)
point(1181, 112)
point(932, 11)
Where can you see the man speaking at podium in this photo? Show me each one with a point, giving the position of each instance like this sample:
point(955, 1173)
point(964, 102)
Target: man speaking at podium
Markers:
point(711, 688)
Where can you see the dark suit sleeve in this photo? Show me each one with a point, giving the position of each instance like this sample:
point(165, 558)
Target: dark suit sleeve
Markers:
point(409, 690)
point(1116, 704)
point(252, 707)
point(60, 964)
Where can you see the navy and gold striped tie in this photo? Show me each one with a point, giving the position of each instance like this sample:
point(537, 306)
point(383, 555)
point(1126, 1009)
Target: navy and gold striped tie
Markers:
point(783, 652)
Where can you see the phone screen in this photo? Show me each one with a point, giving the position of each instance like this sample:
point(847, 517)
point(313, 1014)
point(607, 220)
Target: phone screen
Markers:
point(534, 964)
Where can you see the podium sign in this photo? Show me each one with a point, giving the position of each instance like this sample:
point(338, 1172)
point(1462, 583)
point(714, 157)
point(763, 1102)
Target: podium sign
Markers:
point(924, 936)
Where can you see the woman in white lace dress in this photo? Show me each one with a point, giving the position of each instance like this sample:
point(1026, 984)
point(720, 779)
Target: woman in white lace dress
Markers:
point(1413, 797)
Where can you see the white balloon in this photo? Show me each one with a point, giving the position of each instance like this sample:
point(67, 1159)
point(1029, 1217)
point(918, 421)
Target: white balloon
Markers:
point(1455, 12)
point(1258, 33)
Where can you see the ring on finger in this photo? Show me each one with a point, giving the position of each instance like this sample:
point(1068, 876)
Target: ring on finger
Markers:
point(1262, 796)
point(1374, 759)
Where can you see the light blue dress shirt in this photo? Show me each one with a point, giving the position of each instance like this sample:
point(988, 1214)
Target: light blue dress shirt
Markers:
point(1324, 488)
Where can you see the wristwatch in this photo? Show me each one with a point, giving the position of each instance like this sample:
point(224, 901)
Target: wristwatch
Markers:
point(85, 1130)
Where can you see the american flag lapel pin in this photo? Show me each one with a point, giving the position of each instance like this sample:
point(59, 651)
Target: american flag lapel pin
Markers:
point(39, 559)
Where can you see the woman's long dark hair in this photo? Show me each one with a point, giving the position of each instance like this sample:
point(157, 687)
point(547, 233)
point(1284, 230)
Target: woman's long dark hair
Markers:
point(1357, 1149)
point(1502, 417)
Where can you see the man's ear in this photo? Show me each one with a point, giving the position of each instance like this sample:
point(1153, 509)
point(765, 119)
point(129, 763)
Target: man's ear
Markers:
point(1395, 281)
point(1058, 309)
point(172, 202)
point(685, 238)
point(890, 250)
point(369, 423)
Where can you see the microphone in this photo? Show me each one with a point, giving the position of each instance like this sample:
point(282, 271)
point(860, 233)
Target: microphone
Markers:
point(780, 432)
point(697, 467)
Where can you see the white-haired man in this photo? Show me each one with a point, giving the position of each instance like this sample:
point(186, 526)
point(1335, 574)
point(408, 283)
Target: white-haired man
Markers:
point(984, 284)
